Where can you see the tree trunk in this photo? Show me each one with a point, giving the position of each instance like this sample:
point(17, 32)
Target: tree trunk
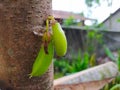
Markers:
point(19, 46)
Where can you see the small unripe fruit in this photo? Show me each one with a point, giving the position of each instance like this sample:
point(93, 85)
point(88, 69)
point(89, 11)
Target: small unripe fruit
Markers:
point(42, 61)
point(59, 39)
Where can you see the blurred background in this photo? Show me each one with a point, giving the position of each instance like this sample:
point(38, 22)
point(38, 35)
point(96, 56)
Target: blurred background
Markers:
point(92, 28)
point(95, 9)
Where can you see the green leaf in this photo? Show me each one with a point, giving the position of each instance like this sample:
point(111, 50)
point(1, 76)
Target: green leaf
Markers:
point(93, 60)
point(43, 61)
point(118, 20)
point(109, 53)
point(116, 87)
point(118, 61)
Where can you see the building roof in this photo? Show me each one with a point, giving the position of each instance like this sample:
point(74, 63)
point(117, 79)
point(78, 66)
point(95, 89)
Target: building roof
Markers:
point(118, 10)
point(65, 15)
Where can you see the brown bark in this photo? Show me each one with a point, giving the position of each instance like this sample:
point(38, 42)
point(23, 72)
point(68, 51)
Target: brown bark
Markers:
point(19, 46)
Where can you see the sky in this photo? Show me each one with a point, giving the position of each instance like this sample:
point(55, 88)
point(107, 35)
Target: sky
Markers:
point(78, 6)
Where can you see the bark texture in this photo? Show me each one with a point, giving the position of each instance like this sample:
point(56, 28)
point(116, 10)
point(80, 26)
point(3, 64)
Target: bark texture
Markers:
point(19, 46)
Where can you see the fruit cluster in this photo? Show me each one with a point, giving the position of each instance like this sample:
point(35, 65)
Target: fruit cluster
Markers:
point(51, 40)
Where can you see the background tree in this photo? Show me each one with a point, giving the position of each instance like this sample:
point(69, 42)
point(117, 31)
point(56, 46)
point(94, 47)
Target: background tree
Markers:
point(92, 4)
point(19, 46)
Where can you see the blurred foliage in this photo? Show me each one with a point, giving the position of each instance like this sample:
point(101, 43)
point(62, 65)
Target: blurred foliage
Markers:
point(72, 21)
point(81, 62)
point(92, 61)
point(93, 40)
point(91, 3)
point(109, 53)
point(116, 87)
point(118, 61)
point(69, 21)
point(118, 20)
point(115, 84)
